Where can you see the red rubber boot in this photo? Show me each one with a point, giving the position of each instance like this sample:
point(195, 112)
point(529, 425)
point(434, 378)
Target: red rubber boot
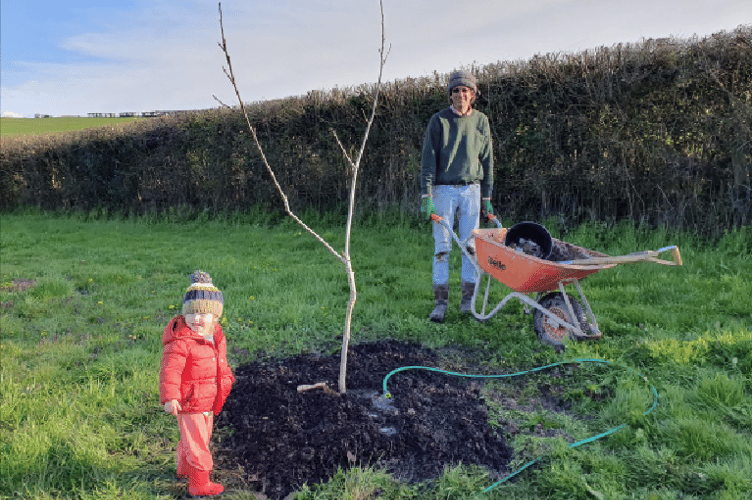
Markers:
point(199, 484)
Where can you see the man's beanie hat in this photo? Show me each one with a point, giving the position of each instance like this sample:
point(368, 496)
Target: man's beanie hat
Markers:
point(462, 78)
point(202, 297)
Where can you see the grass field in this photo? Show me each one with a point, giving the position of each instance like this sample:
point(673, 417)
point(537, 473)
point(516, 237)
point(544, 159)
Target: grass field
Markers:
point(40, 126)
point(80, 416)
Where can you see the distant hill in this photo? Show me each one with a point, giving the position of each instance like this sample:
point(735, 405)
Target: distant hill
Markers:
point(14, 126)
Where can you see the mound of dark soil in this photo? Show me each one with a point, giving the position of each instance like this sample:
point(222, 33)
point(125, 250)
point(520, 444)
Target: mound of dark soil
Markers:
point(284, 438)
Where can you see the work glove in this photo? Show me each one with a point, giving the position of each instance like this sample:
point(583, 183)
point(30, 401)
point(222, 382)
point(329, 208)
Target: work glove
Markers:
point(486, 210)
point(427, 208)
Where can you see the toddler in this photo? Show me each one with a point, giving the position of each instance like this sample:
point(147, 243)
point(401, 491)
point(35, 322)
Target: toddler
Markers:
point(195, 379)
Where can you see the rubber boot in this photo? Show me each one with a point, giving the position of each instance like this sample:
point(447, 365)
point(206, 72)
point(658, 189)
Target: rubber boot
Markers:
point(468, 289)
point(441, 296)
point(199, 484)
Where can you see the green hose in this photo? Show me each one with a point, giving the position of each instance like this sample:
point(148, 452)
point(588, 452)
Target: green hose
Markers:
point(578, 360)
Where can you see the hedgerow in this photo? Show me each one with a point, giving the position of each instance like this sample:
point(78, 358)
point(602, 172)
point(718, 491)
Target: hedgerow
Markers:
point(657, 132)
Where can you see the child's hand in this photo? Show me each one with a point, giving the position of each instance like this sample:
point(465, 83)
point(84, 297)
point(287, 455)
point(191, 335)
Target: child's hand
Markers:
point(172, 406)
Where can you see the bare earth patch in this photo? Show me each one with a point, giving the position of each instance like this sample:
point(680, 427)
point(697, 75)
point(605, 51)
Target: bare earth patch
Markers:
point(283, 439)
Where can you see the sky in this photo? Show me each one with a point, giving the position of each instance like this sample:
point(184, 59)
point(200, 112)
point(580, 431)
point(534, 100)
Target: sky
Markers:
point(76, 57)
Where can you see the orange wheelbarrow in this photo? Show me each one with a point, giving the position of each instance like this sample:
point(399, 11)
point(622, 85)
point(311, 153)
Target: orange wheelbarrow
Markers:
point(557, 316)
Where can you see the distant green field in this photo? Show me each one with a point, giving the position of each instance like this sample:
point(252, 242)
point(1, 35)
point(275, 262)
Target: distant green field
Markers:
point(40, 126)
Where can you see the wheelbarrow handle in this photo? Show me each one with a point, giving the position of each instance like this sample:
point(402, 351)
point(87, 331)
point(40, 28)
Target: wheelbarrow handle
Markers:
point(675, 255)
point(646, 256)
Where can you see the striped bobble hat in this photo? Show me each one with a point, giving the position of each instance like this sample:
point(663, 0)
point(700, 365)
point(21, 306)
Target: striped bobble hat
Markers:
point(202, 297)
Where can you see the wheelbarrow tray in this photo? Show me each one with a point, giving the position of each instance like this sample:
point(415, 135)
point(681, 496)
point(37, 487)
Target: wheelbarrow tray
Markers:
point(526, 273)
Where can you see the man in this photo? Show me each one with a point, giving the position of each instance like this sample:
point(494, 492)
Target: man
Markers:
point(456, 179)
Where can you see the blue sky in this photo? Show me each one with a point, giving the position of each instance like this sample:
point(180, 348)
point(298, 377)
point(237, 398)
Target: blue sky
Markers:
point(80, 56)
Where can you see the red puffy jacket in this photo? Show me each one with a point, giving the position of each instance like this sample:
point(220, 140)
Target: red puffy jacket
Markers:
point(194, 370)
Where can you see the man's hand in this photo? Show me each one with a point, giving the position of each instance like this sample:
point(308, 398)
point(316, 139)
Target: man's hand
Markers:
point(427, 208)
point(172, 406)
point(486, 210)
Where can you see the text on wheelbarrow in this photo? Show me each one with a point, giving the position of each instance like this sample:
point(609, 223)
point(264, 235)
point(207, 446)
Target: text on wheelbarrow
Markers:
point(495, 263)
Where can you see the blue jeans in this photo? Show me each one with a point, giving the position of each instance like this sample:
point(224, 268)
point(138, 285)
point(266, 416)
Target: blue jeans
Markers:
point(464, 203)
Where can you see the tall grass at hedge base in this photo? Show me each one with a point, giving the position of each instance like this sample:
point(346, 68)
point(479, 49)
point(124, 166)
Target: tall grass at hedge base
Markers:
point(656, 131)
point(79, 411)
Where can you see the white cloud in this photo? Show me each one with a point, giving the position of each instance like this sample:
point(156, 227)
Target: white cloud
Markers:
point(165, 55)
point(11, 114)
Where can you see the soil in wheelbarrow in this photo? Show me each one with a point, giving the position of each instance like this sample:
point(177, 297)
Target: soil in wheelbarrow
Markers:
point(280, 439)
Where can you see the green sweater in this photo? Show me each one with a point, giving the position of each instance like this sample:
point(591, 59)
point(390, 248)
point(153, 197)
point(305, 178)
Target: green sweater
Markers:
point(457, 149)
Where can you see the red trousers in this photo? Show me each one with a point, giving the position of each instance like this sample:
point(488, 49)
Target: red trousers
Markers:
point(193, 447)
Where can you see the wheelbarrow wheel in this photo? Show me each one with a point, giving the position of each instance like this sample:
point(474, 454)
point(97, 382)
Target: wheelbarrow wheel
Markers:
point(547, 330)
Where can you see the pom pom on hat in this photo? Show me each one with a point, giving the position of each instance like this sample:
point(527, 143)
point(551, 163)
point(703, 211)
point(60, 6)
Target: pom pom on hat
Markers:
point(202, 297)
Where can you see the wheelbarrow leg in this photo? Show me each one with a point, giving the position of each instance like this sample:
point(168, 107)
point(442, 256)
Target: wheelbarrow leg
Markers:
point(572, 316)
point(593, 323)
point(473, 298)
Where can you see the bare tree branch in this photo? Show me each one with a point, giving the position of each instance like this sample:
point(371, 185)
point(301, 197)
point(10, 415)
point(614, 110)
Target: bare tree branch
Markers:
point(231, 76)
point(220, 102)
point(344, 151)
point(344, 258)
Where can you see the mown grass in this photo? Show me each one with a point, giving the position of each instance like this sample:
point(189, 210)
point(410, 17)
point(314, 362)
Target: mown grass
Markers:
point(41, 126)
point(80, 417)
